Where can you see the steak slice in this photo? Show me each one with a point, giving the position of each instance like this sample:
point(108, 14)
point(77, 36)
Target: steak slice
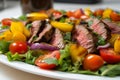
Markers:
point(34, 29)
point(99, 28)
point(84, 37)
point(46, 31)
point(57, 39)
point(112, 26)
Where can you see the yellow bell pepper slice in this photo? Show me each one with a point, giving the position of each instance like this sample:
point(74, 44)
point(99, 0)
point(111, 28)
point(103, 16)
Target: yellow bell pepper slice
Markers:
point(77, 52)
point(16, 26)
point(107, 12)
point(113, 38)
point(37, 16)
point(18, 36)
point(65, 27)
point(117, 45)
point(26, 32)
point(7, 36)
point(87, 11)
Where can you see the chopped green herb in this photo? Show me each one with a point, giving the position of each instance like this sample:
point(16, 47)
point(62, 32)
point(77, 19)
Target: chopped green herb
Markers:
point(51, 61)
point(28, 26)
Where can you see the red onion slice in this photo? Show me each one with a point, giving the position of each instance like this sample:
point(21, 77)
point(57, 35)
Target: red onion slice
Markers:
point(103, 46)
point(43, 46)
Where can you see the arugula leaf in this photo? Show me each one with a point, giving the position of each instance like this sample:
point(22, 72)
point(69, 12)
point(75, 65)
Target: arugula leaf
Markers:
point(51, 61)
point(110, 70)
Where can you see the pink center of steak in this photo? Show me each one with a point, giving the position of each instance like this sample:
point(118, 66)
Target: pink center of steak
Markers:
point(100, 29)
point(84, 38)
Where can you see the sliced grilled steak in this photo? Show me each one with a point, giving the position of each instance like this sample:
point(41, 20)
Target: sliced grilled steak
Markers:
point(46, 33)
point(112, 26)
point(57, 39)
point(99, 28)
point(83, 37)
point(34, 29)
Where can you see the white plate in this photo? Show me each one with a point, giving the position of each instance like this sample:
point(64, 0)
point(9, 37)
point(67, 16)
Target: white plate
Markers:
point(53, 74)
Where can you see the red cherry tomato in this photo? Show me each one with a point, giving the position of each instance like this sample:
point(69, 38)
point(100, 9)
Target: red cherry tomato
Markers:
point(6, 21)
point(19, 47)
point(69, 14)
point(115, 16)
point(57, 13)
point(98, 12)
point(78, 13)
point(92, 62)
point(40, 61)
point(109, 56)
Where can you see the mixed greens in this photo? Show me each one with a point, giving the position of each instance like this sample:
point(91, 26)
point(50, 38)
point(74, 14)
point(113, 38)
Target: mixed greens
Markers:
point(69, 41)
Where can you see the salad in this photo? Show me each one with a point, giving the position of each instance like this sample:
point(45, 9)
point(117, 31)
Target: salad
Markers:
point(81, 41)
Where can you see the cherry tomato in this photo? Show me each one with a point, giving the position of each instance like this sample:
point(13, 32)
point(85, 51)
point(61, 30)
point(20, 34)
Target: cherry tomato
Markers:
point(40, 61)
point(6, 21)
point(57, 13)
point(19, 47)
point(109, 55)
point(98, 12)
point(115, 16)
point(78, 13)
point(69, 14)
point(92, 62)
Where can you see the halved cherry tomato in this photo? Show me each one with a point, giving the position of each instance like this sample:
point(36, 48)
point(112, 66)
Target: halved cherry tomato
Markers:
point(40, 61)
point(92, 62)
point(69, 13)
point(19, 46)
point(109, 55)
point(115, 16)
point(98, 12)
point(77, 14)
point(6, 21)
point(57, 13)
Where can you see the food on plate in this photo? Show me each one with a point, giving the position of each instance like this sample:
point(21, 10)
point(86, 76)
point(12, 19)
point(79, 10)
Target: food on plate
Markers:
point(81, 41)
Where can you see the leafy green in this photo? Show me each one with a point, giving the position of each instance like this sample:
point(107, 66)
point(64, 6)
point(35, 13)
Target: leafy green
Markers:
point(90, 23)
point(101, 41)
point(30, 58)
point(65, 61)
point(28, 26)
point(22, 17)
point(15, 57)
point(67, 36)
point(62, 19)
point(110, 70)
point(51, 61)
point(4, 46)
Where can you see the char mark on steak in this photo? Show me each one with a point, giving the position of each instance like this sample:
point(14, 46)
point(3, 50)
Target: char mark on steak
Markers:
point(84, 38)
point(57, 39)
point(98, 27)
point(34, 29)
point(112, 26)
point(45, 34)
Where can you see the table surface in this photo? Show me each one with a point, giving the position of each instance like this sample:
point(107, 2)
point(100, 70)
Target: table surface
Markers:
point(13, 9)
